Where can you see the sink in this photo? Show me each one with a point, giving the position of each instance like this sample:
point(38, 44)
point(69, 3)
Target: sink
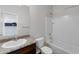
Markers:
point(14, 44)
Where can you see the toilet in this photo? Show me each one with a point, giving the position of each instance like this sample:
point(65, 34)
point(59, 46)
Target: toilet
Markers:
point(40, 45)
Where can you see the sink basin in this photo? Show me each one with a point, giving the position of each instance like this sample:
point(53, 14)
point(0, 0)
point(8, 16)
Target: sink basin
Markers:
point(14, 44)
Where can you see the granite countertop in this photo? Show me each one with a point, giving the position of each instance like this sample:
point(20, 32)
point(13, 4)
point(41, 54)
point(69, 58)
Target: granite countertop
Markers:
point(30, 40)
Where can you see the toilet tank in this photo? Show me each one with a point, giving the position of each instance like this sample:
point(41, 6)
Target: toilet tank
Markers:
point(40, 42)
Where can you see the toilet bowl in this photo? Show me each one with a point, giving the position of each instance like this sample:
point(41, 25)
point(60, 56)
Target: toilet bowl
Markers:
point(46, 50)
point(43, 49)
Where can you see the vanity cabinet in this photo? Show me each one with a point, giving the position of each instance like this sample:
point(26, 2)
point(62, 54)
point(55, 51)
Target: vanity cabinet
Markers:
point(31, 49)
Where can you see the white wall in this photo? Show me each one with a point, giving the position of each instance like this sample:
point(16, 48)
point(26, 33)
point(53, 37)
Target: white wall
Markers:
point(23, 17)
point(38, 14)
point(66, 28)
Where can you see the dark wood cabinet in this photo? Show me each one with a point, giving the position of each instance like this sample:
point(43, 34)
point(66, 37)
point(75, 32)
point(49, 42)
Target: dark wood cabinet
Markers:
point(31, 49)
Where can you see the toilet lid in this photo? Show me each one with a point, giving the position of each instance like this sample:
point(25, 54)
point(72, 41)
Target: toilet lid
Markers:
point(46, 50)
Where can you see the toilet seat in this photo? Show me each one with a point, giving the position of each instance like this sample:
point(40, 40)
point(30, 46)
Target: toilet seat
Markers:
point(46, 50)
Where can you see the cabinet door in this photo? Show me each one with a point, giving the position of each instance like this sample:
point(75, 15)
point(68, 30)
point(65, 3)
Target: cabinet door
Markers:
point(31, 49)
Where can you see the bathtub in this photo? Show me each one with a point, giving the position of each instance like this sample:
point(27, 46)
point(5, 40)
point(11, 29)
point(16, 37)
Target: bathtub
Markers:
point(57, 49)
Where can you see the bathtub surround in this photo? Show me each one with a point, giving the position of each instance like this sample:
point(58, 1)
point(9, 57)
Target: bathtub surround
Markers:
point(66, 28)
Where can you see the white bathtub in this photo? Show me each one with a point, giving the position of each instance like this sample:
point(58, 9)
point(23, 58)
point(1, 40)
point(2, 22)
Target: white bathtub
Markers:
point(57, 49)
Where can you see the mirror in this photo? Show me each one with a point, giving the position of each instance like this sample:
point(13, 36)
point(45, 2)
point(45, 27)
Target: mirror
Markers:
point(14, 20)
point(10, 22)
